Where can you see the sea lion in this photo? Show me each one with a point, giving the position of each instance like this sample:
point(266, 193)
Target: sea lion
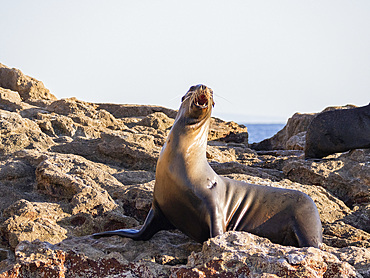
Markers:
point(190, 196)
point(338, 131)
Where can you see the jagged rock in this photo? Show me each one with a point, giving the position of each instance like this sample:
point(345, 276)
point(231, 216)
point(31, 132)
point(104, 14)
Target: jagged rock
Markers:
point(10, 100)
point(18, 133)
point(157, 120)
point(30, 221)
point(360, 217)
point(355, 256)
point(296, 124)
point(227, 131)
point(239, 254)
point(28, 88)
point(88, 119)
point(129, 110)
point(137, 200)
point(296, 142)
point(107, 257)
point(347, 176)
point(338, 131)
point(125, 149)
point(134, 177)
point(135, 151)
point(56, 125)
point(339, 234)
point(170, 254)
point(293, 135)
point(67, 177)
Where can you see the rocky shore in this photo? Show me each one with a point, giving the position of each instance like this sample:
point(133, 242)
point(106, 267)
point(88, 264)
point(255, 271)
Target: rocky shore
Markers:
point(70, 168)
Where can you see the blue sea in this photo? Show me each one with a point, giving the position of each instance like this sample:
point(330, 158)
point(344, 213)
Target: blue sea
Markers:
point(259, 132)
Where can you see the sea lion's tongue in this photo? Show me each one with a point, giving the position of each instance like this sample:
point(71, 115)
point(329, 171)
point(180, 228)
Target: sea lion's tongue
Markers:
point(202, 100)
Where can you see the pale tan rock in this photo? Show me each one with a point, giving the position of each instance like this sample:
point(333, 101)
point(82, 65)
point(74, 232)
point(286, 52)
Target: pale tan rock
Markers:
point(18, 133)
point(135, 110)
point(10, 100)
point(358, 257)
point(31, 220)
point(57, 125)
point(347, 176)
point(135, 151)
point(360, 217)
point(340, 234)
point(66, 177)
point(28, 88)
point(113, 256)
point(171, 254)
point(227, 131)
point(85, 114)
point(237, 254)
point(157, 120)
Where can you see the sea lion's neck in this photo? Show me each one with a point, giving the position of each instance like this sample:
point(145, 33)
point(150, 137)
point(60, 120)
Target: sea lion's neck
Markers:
point(189, 140)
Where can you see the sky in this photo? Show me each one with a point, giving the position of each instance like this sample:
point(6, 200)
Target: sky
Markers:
point(264, 60)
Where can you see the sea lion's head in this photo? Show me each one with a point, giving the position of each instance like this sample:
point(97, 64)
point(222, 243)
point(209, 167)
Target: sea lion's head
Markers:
point(197, 103)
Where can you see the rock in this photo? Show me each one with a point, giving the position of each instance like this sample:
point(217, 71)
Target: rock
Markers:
point(28, 88)
point(134, 151)
point(137, 200)
point(18, 133)
point(67, 177)
point(171, 254)
point(296, 142)
point(339, 234)
point(57, 125)
point(30, 221)
point(124, 149)
point(134, 177)
point(17, 178)
point(227, 132)
point(84, 115)
point(358, 257)
point(122, 256)
point(338, 131)
point(360, 217)
point(347, 176)
point(129, 110)
point(239, 254)
point(295, 125)
point(157, 120)
point(10, 100)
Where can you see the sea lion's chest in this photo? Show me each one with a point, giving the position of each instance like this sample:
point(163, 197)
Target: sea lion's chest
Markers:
point(181, 193)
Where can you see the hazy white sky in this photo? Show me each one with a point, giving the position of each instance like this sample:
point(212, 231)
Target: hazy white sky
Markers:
point(265, 60)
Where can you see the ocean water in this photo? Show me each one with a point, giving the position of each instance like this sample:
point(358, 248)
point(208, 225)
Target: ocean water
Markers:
point(259, 132)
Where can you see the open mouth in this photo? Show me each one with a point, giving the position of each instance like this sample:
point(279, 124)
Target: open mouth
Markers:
point(201, 101)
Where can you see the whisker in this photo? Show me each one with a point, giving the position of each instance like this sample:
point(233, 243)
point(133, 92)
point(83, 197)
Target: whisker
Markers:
point(217, 95)
point(187, 97)
point(176, 97)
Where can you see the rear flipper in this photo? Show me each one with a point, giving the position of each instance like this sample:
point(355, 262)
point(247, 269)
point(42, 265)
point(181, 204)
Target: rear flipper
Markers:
point(309, 235)
point(154, 222)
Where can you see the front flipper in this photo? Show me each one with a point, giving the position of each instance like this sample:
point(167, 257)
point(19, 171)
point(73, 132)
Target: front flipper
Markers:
point(154, 222)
